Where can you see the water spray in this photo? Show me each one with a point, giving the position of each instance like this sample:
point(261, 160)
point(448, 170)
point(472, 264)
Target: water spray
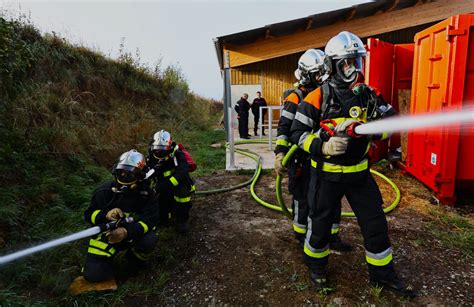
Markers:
point(73, 237)
point(414, 122)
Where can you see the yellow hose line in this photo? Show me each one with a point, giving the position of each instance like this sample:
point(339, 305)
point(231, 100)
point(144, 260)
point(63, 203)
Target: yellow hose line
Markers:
point(343, 213)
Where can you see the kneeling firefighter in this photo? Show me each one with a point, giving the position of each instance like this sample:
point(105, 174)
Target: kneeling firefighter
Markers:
point(127, 196)
point(311, 74)
point(339, 160)
point(171, 180)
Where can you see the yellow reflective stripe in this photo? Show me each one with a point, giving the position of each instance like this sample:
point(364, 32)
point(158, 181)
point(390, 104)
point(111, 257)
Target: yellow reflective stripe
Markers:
point(282, 143)
point(182, 199)
point(127, 214)
point(385, 136)
point(379, 262)
point(307, 142)
point(322, 254)
point(314, 163)
point(168, 173)
point(174, 181)
point(333, 168)
point(145, 226)
point(99, 244)
point(193, 188)
point(96, 251)
point(94, 216)
point(334, 230)
point(298, 229)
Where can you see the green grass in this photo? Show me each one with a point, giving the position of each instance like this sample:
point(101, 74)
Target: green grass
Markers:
point(452, 230)
point(66, 114)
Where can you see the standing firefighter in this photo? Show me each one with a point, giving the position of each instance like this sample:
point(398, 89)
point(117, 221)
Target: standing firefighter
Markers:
point(171, 180)
point(126, 196)
point(342, 163)
point(256, 104)
point(311, 73)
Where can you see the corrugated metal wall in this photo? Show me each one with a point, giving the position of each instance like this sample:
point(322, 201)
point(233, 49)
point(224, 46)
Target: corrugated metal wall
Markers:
point(274, 75)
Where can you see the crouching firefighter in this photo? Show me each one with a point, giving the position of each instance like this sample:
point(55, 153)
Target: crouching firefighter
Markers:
point(127, 196)
point(311, 74)
point(340, 160)
point(171, 180)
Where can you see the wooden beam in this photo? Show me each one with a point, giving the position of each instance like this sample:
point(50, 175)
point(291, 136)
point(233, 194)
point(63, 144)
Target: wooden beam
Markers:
point(268, 34)
point(351, 15)
point(309, 24)
point(363, 27)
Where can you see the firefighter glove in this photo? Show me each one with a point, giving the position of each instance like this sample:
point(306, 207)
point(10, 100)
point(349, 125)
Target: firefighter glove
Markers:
point(279, 168)
point(340, 129)
point(335, 146)
point(117, 235)
point(114, 214)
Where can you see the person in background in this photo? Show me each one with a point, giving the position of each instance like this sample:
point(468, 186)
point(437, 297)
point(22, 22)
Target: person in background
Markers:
point(242, 108)
point(256, 105)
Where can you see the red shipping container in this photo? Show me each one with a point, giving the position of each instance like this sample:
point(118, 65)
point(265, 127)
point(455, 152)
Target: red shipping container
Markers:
point(443, 80)
point(378, 73)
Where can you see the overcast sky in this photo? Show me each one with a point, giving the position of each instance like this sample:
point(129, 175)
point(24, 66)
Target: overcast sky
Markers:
point(179, 32)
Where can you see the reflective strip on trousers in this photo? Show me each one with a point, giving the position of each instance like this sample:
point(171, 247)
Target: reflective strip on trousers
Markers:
point(142, 256)
point(94, 216)
point(304, 119)
point(335, 229)
point(379, 259)
point(297, 227)
point(145, 226)
point(287, 114)
point(334, 168)
point(182, 199)
point(193, 188)
point(316, 252)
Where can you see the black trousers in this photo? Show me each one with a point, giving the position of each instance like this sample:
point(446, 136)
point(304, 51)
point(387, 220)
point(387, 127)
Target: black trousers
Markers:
point(100, 268)
point(366, 201)
point(298, 184)
point(255, 125)
point(243, 125)
point(175, 203)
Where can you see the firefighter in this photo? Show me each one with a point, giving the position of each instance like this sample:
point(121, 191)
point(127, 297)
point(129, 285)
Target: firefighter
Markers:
point(171, 180)
point(340, 163)
point(128, 195)
point(311, 73)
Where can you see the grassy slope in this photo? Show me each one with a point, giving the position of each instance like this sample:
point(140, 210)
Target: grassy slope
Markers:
point(66, 113)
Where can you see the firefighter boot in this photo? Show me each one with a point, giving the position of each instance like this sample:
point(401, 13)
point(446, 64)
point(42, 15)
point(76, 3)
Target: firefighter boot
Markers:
point(336, 244)
point(182, 227)
point(320, 282)
point(300, 237)
point(387, 278)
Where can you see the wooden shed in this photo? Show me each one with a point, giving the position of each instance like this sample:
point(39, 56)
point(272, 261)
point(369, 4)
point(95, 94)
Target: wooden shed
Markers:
point(266, 57)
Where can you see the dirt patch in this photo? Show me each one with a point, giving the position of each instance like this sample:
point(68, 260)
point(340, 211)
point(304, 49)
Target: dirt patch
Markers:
point(240, 253)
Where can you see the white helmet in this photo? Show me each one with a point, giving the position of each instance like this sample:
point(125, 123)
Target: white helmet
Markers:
point(346, 51)
point(129, 168)
point(161, 146)
point(312, 67)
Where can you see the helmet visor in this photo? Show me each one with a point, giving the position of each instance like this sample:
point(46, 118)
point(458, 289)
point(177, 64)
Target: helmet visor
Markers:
point(125, 177)
point(160, 153)
point(348, 68)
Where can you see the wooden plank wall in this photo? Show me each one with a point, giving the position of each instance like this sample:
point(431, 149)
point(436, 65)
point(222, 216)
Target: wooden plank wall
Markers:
point(275, 76)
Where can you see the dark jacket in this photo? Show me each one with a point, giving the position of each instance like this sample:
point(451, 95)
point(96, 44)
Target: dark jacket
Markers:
point(242, 107)
point(171, 173)
point(256, 104)
point(141, 203)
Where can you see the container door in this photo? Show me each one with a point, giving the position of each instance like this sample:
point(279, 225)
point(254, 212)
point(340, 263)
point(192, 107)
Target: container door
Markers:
point(438, 85)
point(378, 73)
